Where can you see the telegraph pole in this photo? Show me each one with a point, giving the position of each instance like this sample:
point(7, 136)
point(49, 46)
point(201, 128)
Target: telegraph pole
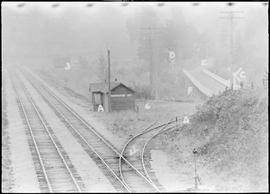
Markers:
point(109, 82)
point(152, 69)
point(231, 17)
point(152, 77)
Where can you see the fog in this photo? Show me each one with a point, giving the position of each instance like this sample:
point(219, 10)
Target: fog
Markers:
point(38, 34)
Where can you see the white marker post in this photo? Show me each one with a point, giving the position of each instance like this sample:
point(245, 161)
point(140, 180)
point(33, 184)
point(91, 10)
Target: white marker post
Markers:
point(147, 106)
point(68, 67)
point(204, 62)
point(190, 89)
point(133, 150)
point(172, 64)
point(238, 76)
point(100, 108)
point(186, 120)
point(171, 55)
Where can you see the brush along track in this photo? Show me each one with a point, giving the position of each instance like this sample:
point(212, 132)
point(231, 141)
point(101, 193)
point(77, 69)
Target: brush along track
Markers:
point(133, 151)
point(54, 170)
point(98, 148)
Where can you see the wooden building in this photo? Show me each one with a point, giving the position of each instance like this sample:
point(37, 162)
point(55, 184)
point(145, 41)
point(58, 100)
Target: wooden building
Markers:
point(122, 97)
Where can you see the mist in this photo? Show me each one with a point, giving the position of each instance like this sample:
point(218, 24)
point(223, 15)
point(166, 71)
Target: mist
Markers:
point(37, 34)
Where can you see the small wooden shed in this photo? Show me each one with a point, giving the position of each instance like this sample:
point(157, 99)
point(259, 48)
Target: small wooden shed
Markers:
point(122, 97)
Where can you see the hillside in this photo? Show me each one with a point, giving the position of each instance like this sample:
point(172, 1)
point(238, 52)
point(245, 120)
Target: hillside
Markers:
point(230, 132)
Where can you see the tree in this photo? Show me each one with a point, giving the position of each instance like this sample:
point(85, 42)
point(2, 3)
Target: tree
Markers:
point(143, 29)
point(154, 41)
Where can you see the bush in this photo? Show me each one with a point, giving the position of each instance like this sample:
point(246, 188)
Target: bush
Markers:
point(230, 133)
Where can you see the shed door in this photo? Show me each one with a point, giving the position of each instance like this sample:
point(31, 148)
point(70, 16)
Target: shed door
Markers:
point(98, 99)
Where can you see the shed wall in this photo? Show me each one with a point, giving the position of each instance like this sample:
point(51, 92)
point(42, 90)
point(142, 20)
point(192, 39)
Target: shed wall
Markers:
point(122, 98)
point(123, 103)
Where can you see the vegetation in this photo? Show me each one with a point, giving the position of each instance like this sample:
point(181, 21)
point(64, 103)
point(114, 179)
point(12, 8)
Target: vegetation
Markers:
point(230, 133)
point(125, 123)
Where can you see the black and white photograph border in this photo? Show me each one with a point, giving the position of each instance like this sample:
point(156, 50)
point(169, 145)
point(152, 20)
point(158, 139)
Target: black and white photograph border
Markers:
point(134, 96)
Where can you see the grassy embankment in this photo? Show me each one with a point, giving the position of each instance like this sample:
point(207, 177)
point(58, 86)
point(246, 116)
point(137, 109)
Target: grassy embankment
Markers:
point(125, 123)
point(230, 132)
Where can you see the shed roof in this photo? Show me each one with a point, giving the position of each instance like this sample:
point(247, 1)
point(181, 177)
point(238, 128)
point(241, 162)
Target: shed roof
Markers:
point(103, 86)
point(205, 81)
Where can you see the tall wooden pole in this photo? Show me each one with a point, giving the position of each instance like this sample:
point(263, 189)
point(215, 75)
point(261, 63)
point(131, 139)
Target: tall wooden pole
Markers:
point(151, 69)
point(151, 32)
point(109, 82)
point(231, 17)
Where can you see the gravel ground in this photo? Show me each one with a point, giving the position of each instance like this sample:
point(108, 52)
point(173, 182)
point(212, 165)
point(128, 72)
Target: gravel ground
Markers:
point(167, 176)
point(91, 175)
point(180, 179)
point(25, 179)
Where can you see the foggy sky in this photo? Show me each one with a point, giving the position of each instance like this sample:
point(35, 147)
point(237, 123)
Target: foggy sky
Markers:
point(37, 32)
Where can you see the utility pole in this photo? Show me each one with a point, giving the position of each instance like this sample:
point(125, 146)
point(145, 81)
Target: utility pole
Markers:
point(231, 17)
point(152, 67)
point(109, 82)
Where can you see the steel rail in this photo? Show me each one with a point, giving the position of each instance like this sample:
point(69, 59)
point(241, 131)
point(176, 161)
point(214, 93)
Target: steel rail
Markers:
point(144, 147)
point(33, 138)
point(51, 138)
point(86, 124)
point(120, 159)
point(146, 130)
point(93, 149)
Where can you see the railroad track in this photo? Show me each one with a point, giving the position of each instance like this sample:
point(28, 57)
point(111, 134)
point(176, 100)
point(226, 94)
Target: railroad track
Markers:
point(134, 150)
point(54, 170)
point(146, 164)
point(98, 148)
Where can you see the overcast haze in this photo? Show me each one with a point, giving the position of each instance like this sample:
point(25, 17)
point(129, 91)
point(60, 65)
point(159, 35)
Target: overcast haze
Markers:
point(37, 33)
point(180, 89)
